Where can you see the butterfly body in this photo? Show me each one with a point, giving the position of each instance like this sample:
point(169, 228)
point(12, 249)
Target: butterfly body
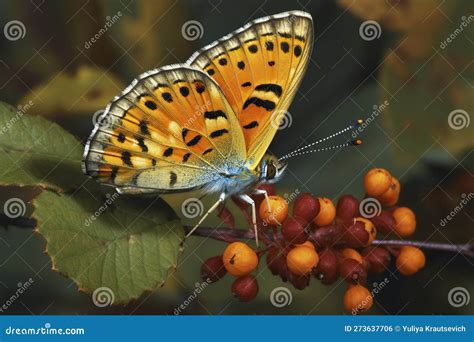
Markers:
point(206, 124)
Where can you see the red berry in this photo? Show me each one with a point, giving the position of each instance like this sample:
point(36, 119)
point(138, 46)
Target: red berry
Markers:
point(376, 258)
point(213, 269)
point(306, 207)
point(327, 268)
point(275, 260)
point(347, 207)
point(353, 271)
point(327, 236)
point(293, 230)
point(245, 288)
point(356, 235)
point(385, 222)
point(300, 282)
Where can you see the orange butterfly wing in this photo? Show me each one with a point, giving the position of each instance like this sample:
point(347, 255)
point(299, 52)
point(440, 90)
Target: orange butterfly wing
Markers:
point(172, 129)
point(259, 68)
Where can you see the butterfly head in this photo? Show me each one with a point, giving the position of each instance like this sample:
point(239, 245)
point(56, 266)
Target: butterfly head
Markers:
point(271, 169)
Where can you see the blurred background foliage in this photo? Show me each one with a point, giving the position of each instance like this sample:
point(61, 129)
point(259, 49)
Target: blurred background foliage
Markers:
point(347, 76)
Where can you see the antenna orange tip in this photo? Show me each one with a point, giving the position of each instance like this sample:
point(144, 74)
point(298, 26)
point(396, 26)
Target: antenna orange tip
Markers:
point(360, 121)
point(358, 142)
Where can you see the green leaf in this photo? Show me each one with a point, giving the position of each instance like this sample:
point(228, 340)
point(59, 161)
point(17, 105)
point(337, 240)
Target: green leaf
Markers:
point(34, 151)
point(127, 245)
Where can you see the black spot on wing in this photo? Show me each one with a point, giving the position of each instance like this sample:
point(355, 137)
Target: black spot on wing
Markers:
point(184, 91)
point(144, 127)
point(214, 114)
point(285, 47)
point(194, 141)
point(184, 132)
point(126, 158)
point(268, 105)
point(173, 178)
point(270, 87)
point(150, 105)
point(284, 35)
point(297, 50)
point(186, 157)
point(271, 63)
point(223, 61)
point(253, 48)
point(269, 46)
point(121, 137)
point(218, 133)
point(200, 88)
point(250, 125)
point(167, 97)
point(241, 65)
point(207, 151)
point(141, 143)
point(210, 72)
point(168, 152)
point(246, 84)
point(114, 172)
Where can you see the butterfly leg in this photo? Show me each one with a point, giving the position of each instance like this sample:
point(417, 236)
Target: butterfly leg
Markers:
point(247, 199)
point(211, 209)
point(265, 193)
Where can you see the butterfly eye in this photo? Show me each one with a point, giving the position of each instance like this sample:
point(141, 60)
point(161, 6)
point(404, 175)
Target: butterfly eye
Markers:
point(271, 171)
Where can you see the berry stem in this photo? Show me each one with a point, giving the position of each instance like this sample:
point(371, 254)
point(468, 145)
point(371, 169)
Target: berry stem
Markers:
point(224, 234)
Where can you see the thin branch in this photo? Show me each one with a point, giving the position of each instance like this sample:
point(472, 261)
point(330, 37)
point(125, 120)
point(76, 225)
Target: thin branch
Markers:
point(228, 235)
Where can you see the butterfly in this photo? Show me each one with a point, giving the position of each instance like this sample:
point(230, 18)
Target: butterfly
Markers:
point(206, 124)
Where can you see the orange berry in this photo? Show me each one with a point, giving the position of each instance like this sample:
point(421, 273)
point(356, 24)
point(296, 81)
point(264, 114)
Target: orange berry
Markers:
point(277, 212)
point(410, 260)
point(357, 299)
point(239, 259)
point(327, 212)
point(306, 244)
point(390, 197)
point(405, 221)
point(301, 260)
point(352, 254)
point(369, 228)
point(377, 181)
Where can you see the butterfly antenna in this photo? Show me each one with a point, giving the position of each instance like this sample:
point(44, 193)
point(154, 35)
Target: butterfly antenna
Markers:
point(355, 142)
point(350, 143)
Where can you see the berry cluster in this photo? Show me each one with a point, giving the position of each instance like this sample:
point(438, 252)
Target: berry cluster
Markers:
point(325, 241)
